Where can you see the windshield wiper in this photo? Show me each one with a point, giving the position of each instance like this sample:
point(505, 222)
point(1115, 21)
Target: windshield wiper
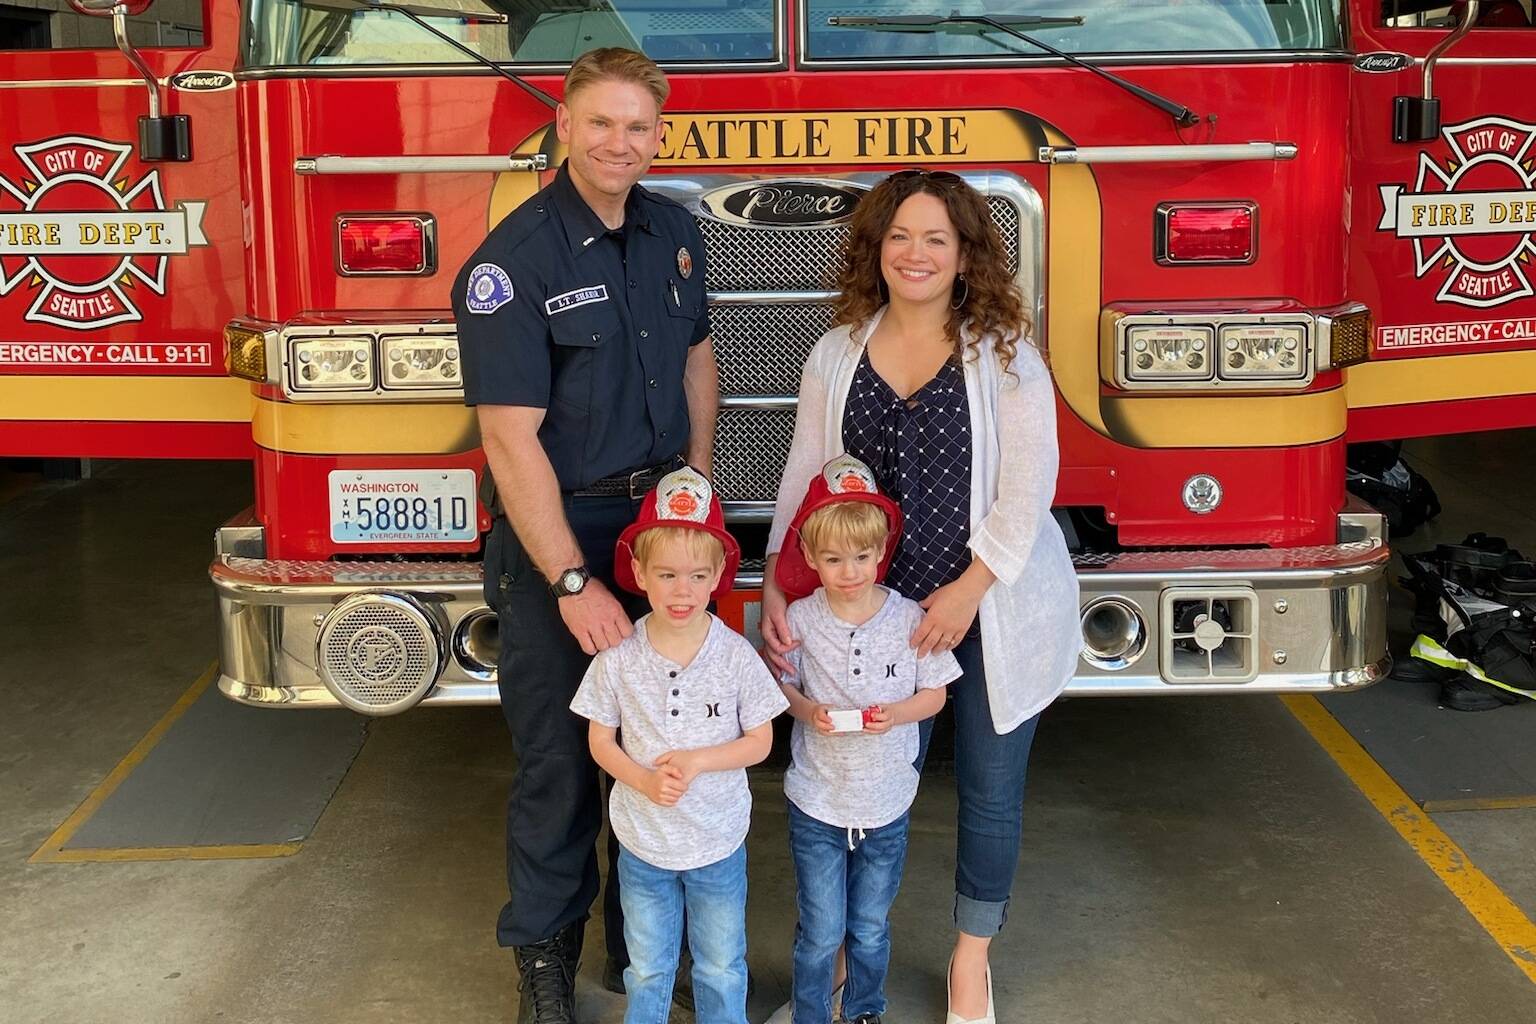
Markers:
point(417, 12)
point(1182, 115)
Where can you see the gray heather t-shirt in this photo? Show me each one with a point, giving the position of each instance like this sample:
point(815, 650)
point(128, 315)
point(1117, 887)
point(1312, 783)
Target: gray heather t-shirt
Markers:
point(658, 705)
point(859, 779)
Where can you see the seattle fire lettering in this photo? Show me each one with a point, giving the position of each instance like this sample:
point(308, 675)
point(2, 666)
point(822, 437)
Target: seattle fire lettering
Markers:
point(79, 231)
point(1476, 217)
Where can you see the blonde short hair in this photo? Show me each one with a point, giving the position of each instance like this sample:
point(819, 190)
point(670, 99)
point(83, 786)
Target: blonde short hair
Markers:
point(696, 543)
point(615, 63)
point(852, 525)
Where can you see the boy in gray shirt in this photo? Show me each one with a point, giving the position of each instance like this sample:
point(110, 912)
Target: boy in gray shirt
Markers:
point(677, 712)
point(858, 692)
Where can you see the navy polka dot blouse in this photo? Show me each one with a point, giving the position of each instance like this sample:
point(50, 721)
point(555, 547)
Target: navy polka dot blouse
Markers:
point(920, 451)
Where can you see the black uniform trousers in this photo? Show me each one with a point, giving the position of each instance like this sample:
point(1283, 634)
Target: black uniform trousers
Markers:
point(554, 813)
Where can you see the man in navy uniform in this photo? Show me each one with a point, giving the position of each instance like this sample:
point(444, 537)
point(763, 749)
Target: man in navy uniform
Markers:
point(585, 337)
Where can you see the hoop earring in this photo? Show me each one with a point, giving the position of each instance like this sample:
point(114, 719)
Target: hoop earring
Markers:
point(964, 295)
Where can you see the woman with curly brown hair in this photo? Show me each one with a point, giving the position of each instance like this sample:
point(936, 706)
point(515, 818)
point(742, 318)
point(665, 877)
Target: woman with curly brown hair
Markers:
point(931, 378)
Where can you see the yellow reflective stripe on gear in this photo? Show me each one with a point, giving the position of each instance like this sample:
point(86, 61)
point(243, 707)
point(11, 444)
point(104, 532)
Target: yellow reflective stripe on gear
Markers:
point(1427, 649)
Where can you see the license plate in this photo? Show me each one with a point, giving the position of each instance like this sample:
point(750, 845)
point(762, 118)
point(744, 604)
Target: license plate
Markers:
point(412, 506)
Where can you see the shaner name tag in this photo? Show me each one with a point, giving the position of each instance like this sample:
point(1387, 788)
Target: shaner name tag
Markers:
point(580, 297)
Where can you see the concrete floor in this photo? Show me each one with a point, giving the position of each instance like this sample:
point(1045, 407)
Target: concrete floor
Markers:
point(1196, 860)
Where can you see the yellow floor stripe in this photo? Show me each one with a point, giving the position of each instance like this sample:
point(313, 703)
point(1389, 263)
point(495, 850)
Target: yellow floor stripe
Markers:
point(1486, 902)
point(52, 851)
point(1485, 803)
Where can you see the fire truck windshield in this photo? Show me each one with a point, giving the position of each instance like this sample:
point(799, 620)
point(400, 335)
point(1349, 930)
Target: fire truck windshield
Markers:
point(304, 33)
point(1108, 26)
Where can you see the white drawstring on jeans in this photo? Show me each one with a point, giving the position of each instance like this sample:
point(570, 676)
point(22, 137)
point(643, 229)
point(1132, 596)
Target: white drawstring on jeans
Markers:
point(851, 831)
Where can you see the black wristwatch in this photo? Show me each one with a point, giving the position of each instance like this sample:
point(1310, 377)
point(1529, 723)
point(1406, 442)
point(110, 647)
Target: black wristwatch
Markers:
point(570, 581)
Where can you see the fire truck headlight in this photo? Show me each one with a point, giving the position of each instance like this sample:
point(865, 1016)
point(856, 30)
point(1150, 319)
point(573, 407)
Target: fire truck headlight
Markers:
point(1168, 353)
point(331, 363)
point(421, 361)
point(1264, 352)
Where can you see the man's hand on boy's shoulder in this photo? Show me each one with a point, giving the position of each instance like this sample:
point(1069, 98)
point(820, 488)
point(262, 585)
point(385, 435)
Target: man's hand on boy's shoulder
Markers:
point(664, 784)
point(595, 618)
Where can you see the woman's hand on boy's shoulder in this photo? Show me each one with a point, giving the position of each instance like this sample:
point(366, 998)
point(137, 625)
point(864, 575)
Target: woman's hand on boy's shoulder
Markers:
point(778, 638)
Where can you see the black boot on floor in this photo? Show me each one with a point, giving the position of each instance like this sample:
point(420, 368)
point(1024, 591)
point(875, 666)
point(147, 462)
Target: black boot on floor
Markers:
point(1408, 669)
point(548, 977)
point(1464, 693)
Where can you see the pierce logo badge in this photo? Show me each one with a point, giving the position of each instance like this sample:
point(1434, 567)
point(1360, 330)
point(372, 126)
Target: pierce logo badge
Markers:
point(1472, 218)
point(788, 203)
point(84, 234)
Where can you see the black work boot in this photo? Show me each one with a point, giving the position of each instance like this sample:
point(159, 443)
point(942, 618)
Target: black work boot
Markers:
point(1465, 693)
point(547, 982)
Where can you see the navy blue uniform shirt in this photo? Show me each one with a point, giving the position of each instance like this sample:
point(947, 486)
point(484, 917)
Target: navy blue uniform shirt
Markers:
point(557, 312)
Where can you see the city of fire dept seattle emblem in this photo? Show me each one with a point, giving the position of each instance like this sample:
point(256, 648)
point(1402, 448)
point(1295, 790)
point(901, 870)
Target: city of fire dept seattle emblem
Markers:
point(84, 233)
point(1474, 219)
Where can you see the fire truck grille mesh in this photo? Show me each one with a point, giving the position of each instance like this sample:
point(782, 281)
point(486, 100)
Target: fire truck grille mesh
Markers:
point(754, 259)
point(750, 448)
point(377, 657)
point(761, 347)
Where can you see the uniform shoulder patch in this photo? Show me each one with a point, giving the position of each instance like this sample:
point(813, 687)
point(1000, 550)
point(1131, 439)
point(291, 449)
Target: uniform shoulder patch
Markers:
point(489, 289)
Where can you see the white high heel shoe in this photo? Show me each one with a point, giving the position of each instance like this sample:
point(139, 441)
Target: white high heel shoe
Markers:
point(954, 1018)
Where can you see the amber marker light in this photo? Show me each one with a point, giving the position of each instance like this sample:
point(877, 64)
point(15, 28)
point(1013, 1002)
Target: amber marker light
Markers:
point(245, 352)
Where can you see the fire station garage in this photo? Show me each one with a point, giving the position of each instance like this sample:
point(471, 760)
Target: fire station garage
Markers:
point(1164, 283)
point(170, 855)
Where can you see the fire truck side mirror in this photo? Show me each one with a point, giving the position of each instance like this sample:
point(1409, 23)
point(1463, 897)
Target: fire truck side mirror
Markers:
point(107, 8)
point(160, 138)
point(1417, 118)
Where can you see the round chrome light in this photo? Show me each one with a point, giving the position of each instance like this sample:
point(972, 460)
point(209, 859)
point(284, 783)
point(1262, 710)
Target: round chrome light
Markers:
point(1201, 494)
point(477, 644)
point(1114, 633)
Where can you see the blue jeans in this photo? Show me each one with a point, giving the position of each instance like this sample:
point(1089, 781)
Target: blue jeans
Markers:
point(989, 782)
point(844, 898)
point(715, 896)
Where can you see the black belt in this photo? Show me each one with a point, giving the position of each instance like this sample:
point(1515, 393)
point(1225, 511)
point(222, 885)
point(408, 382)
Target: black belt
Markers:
point(631, 485)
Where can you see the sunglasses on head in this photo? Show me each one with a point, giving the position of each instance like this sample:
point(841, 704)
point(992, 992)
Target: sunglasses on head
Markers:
point(942, 177)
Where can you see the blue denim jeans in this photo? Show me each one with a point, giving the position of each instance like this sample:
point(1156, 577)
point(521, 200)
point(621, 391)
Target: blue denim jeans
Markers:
point(844, 898)
point(989, 782)
point(715, 897)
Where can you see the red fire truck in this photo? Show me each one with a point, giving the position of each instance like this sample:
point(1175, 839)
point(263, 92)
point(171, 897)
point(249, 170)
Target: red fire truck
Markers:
point(1250, 231)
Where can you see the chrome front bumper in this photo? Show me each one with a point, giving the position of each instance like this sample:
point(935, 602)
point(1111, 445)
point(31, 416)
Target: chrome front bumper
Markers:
point(1292, 620)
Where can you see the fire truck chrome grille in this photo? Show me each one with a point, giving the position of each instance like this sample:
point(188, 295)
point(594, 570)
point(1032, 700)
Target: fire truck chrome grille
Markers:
point(761, 347)
point(757, 259)
point(750, 448)
point(378, 653)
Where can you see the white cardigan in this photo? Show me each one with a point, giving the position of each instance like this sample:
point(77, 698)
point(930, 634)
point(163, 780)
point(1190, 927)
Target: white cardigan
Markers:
point(1029, 617)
